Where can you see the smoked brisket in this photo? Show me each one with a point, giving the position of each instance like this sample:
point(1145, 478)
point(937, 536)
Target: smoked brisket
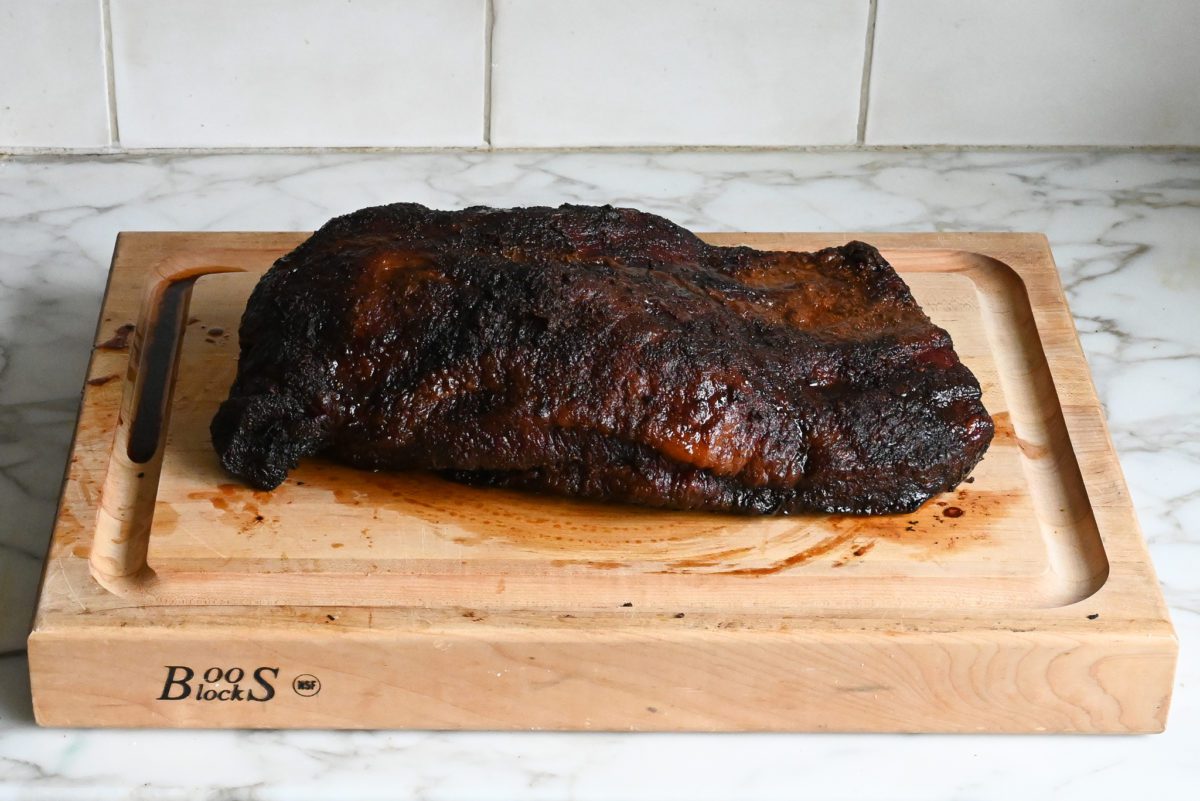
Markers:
point(603, 353)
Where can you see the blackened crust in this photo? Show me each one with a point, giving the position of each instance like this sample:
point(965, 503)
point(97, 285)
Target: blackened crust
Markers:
point(602, 353)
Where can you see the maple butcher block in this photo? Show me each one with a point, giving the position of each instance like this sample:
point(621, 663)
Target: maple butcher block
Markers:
point(173, 595)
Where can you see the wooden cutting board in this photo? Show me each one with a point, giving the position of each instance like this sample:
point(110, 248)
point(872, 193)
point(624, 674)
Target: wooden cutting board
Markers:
point(1023, 601)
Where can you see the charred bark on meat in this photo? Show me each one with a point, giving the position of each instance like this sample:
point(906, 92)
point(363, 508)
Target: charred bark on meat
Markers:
point(602, 353)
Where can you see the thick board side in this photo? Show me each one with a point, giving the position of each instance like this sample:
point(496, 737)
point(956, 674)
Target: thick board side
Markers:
point(700, 673)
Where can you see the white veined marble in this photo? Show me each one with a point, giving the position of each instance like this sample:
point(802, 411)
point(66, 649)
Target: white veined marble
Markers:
point(1125, 229)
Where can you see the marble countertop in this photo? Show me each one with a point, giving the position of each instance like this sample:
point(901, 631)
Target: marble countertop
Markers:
point(1125, 230)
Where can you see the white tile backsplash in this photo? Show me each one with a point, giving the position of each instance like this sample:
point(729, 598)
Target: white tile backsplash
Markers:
point(54, 88)
point(981, 72)
point(581, 73)
point(676, 72)
point(302, 73)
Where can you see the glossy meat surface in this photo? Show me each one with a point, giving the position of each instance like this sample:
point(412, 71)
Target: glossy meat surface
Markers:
point(604, 353)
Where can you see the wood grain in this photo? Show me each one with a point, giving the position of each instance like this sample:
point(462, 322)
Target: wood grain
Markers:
point(428, 604)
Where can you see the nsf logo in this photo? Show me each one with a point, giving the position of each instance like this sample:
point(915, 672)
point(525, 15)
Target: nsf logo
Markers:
point(306, 685)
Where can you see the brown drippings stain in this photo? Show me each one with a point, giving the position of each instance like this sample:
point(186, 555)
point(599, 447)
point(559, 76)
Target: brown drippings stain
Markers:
point(823, 547)
point(336, 545)
point(710, 559)
point(1032, 451)
point(1005, 433)
point(239, 490)
point(589, 536)
point(100, 381)
point(193, 320)
point(349, 495)
point(574, 531)
point(580, 534)
point(238, 505)
point(68, 531)
point(1002, 428)
point(952, 511)
point(216, 332)
point(165, 518)
point(930, 531)
point(593, 563)
point(119, 340)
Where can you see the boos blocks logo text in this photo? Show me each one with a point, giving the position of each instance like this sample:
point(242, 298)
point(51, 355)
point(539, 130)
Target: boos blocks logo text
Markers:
point(219, 684)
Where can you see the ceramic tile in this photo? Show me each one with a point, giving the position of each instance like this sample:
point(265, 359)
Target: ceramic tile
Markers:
point(226, 73)
point(1088, 72)
point(54, 91)
point(675, 72)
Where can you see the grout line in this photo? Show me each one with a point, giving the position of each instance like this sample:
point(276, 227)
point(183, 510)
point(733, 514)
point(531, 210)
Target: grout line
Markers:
point(116, 151)
point(868, 61)
point(489, 26)
point(110, 82)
